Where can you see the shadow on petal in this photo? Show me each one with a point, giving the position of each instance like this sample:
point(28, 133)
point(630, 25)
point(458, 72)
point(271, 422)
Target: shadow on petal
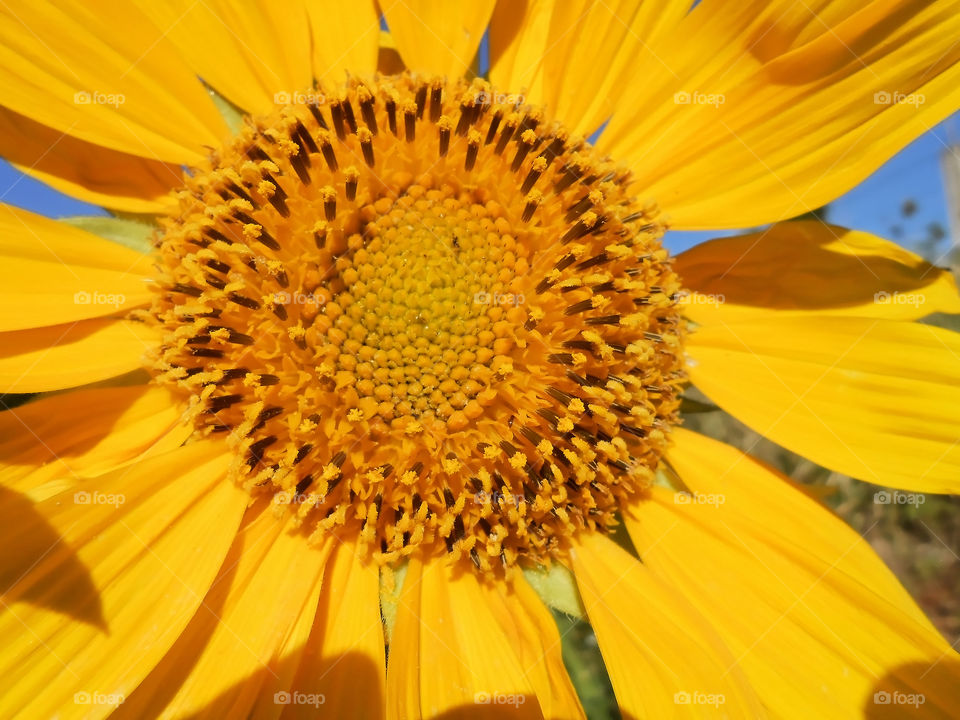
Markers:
point(29, 538)
point(816, 266)
point(916, 690)
point(297, 702)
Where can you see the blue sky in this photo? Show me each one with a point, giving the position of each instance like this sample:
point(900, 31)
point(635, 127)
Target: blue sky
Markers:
point(874, 205)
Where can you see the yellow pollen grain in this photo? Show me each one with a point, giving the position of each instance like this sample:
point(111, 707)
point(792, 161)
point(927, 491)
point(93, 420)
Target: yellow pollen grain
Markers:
point(411, 295)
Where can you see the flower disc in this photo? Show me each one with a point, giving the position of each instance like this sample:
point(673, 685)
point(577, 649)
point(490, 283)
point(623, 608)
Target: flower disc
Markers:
point(430, 318)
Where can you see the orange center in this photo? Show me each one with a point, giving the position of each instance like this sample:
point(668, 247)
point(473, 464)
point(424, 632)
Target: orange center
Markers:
point(435, 321)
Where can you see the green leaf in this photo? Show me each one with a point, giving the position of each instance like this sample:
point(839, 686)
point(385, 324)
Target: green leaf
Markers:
point(131, 233)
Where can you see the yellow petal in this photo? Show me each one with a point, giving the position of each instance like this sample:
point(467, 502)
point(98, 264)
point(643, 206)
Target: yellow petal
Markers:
point(811, 268)
point(575, 56)
point(151, 538)
point(344, 662)
point(450, 652)
point(85, 171)
point(62, 356)
point(345, 38)
point(39, 238)
point(438, 37)
point(538, 641)
point(103, 73)
point(243, 644)
point(523, 36)
point(84, 433)
point(815, 620)
point(876, 399)
point(761, 111)
point(51, 273)
point(247, 51)
point(662, 657)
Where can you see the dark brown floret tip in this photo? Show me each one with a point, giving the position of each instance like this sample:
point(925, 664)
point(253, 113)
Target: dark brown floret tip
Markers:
point(442, 322)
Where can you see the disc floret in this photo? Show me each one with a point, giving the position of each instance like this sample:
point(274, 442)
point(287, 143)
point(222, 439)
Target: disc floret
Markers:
point(441, 322)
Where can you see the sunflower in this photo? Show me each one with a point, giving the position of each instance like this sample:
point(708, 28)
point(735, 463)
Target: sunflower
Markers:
point(380, 357)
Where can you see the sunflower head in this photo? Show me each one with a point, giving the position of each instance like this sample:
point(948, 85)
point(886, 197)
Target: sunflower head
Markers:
point(429, 327)
point(426, 315)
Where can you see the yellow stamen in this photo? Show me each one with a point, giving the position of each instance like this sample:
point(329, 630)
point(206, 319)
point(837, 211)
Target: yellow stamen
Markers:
point(445, 321)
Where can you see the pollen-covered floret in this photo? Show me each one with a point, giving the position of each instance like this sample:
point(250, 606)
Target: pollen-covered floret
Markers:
point(440, 322)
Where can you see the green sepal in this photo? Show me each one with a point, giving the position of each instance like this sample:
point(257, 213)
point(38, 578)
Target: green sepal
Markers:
point(134, 234)
point(557, 588)
point(231, 114)
point(391, 583)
